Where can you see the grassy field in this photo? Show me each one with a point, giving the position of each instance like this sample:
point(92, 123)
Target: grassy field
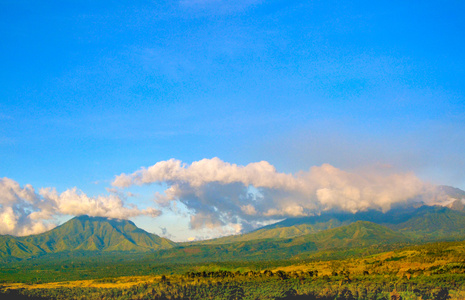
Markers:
point(430, 271)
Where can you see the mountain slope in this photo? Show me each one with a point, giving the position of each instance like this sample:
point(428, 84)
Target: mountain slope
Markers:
point(420, 222)
point(85, 233)
point(285, 229)
point(452, 192)
point(360, 234)
point(431, 223)
point(293, 227)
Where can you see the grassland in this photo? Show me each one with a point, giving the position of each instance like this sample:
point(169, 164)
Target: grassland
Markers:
point(431, 271)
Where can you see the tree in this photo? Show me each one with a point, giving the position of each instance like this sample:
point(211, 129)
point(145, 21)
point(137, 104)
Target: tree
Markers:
point(268, 273)
point(395, 295)
point(281, 274)
point(237, 293)
point(440, 293)
point(345, 294)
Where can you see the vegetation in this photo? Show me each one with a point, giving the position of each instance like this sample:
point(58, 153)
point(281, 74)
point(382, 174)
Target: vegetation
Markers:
point(432, 271)
point(259, 285)
point(337, 256)
point(289, 239)
point(83, 233)
point(419, 224)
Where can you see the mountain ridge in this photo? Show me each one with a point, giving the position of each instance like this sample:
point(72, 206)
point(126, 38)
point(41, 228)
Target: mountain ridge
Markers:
point(423, 223)
point(404, 224)
point(84, 233)
point(360, 234)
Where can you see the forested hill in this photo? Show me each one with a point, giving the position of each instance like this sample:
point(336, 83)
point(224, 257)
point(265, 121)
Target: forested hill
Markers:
point(293, 237)
point(84, 233)
point(360, 234)
point(420, 223)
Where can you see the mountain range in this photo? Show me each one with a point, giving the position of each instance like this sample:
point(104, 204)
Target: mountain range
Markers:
point(290, 238)
point(423, 223)
point(84, 233)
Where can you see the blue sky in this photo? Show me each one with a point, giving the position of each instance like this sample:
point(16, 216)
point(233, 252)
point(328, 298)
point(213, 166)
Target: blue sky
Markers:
point(93, 89)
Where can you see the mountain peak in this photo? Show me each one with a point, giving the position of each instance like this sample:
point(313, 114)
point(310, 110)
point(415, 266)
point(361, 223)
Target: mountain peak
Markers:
point(87, 233)
point(84, 218)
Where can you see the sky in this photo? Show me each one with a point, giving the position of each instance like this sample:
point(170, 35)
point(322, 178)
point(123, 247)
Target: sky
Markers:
point(200, 118)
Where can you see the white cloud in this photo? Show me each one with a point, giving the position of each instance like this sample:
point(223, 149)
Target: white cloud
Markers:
point(248, 209)
point(199, 173)
point(218, 196)
point(23, 211)
point(218, 193)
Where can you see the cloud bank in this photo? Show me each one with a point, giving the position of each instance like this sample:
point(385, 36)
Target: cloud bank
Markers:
point(219, 193)
point(24, 211)
point(220, 197)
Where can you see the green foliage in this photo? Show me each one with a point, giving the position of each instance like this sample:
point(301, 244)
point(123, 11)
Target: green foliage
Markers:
point(92, 234)
point(237, 285)
point(358, 234)
point(248, 266)
point(419, 224)
point(319, 237)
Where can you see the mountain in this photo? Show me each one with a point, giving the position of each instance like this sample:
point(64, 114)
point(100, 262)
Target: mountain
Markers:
point(422, 223)
point(294, 227)
point(452, 192)
point(293, 237)
point(288, 228)
point(418, 222)
point(300, 237)
point(85, 233)
point(360, 234)
point(457, 197)
point(431, 223)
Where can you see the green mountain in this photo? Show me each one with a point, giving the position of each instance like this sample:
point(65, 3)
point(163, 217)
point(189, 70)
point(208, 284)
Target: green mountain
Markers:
point(85, 233)
point(431, 223)
point(101, 235)
point(418, 222)
point(360, 234)
point(290, 238)
point(284, 229)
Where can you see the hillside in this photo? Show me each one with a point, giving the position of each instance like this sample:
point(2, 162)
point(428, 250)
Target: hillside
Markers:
point(360, 234)
point(413, 272)
point(85, 233)
point(419, 222)
point(289, 228)
point(431, 223)
point(290, 238)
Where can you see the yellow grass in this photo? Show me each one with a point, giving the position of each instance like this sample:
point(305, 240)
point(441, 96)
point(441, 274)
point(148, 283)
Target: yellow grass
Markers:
point(383, 263)
point(121, 282)
point(407, 263)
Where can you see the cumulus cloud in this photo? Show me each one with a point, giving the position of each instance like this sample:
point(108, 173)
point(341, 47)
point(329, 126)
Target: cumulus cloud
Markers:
point(24, 211)
point(219, 193)
point(199, 173)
